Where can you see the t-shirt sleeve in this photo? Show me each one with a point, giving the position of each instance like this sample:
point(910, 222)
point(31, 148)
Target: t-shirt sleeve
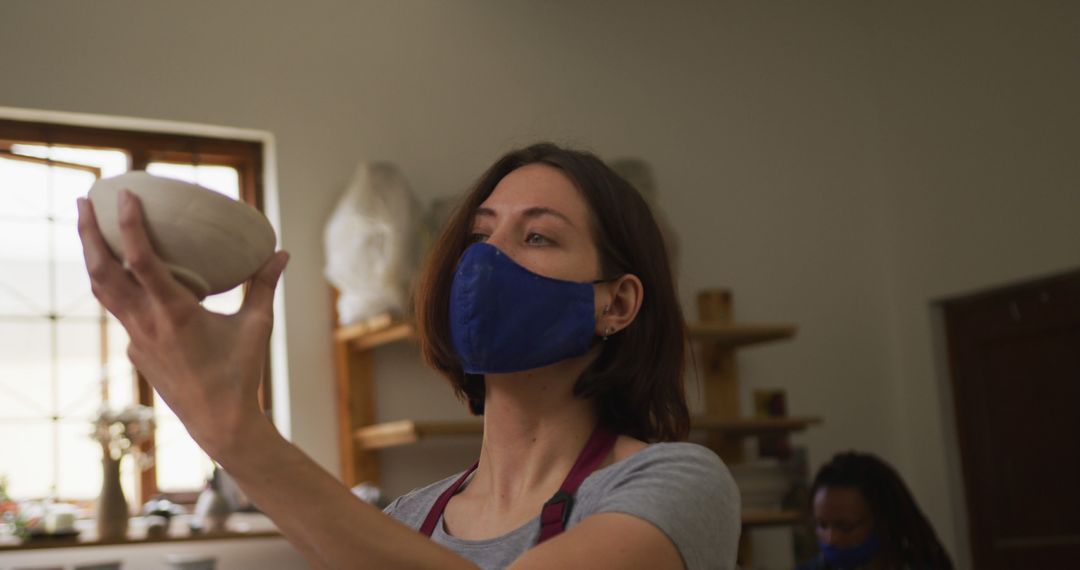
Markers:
point(389, 509)
point(687, 492)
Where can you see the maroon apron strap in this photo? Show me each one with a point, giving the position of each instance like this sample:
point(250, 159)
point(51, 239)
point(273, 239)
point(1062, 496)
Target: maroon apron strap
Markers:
point(556, 511)
point(440, 504)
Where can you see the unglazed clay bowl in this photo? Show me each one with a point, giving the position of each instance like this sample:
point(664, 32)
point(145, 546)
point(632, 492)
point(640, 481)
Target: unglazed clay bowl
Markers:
point(209, 241)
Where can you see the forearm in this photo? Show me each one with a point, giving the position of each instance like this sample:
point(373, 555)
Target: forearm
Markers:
point(318, 514)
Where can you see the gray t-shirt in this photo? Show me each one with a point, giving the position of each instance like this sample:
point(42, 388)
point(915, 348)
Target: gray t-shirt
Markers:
point(683, 489)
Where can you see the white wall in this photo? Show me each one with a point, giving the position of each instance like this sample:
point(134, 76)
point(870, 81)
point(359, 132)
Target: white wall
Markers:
point(980, 142)
point(798, 148)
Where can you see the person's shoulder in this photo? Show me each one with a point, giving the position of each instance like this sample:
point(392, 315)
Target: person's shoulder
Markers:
point(683, 489)
point(690, 459)
point(682, 451)
point(679, 472)
point(691, 465)
point(412, 507)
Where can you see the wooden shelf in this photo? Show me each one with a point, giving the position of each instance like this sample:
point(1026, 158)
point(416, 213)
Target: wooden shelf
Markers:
point(771, 518)
point(731, 335)
point(404, 432)
point(384, 329)
point(754, 426)
point(375, 332)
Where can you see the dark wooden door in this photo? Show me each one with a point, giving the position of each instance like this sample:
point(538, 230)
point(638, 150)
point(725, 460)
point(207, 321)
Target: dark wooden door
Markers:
point(1015, 363)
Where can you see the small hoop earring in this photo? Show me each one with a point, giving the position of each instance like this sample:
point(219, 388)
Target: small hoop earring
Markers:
point(608, 331)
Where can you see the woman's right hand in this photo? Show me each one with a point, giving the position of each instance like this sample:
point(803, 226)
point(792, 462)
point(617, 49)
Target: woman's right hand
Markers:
point(206, 366)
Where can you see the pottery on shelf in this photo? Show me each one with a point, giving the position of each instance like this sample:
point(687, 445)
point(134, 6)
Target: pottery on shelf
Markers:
point(212, 509)
point(210, 242)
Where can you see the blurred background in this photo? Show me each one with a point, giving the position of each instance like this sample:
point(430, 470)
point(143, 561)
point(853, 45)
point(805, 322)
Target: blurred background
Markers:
point(843, 166)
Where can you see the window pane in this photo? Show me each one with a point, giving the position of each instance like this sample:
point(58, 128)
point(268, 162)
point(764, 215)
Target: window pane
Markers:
point(24, 283)
point(112, 162)
point(227, 303)
point(181, 463)
point(223, 179)
point(20, 189)
point(78, 460)
point(25, 370)
point(27, 459)
point(67, 184)
point(79, 369)
point(54, 189)
point(121, 372)
point(73, 296)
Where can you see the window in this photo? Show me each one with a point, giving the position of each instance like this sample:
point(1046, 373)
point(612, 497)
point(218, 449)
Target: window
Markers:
point(61, 355)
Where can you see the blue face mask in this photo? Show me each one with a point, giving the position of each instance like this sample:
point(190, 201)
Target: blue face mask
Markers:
point(505, 318)
point(852, 557)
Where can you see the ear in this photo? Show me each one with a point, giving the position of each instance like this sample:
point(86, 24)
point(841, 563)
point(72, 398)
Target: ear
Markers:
point(618, 303)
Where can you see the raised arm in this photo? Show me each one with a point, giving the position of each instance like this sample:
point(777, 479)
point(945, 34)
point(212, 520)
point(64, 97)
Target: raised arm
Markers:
point(207, 367)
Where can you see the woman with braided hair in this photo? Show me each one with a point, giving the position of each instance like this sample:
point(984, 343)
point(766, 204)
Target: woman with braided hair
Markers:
point(866, 519)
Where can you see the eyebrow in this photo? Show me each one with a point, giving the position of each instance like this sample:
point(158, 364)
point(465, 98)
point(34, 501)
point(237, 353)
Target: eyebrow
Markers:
point(534, 212)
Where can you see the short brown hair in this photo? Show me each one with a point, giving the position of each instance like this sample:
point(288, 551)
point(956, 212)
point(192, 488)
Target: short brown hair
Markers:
point(637, 380)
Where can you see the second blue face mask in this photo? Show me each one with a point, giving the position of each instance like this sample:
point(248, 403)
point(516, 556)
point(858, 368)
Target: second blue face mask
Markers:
point(505, 318)
point(851, 557)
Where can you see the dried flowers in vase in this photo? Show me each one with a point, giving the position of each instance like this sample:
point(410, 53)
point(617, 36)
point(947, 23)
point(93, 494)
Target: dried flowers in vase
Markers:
point(119, 434)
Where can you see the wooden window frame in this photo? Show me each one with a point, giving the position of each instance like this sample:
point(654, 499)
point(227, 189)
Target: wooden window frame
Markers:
point(143, 148)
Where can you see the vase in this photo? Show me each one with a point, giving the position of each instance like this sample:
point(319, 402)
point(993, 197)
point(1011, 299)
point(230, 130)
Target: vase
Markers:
point(112, 508)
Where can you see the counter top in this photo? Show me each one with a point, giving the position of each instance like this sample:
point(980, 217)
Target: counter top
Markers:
point(239, 526)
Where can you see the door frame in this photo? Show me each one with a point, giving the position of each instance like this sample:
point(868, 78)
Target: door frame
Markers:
point(957, 488)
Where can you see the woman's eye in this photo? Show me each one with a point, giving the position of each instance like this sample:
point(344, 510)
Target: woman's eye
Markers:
point(477, 237)
point(536, 239)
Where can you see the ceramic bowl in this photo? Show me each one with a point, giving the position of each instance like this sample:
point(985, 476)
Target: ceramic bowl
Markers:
point(210, 242)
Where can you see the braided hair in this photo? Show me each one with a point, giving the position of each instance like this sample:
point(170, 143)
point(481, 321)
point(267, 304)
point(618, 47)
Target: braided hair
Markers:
point(906, 536)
